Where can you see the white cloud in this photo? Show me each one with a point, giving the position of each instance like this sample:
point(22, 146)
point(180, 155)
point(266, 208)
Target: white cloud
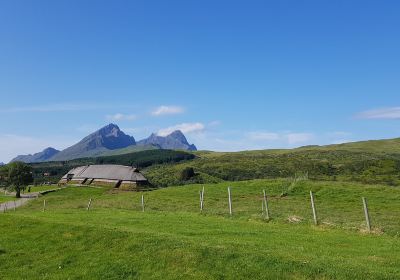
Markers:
point(263, 136)
point(236, 140)
point(338, 134)
point(299, 138)
point(184, 127)
point(121, 117)
point(214, 123)
point(341, 141)
point(13, 145)
point(168, 110)
point(285, 138)
point(392, 113)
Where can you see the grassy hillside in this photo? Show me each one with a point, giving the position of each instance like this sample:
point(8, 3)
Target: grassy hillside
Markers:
point(386, 146)
point(5, 198)
point(172, 240)
point(129, 150)
point(367, 162)
point(317, 163)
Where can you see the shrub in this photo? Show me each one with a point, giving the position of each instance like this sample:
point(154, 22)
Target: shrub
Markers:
point(187, 173)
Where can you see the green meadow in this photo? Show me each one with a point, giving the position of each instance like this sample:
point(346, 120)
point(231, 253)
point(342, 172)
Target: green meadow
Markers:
point(5, 198)
point(173, 240)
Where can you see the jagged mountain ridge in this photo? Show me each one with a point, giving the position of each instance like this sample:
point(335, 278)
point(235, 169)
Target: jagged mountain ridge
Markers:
point(107, 138)
point(174, 141)
point(110, 139)
point(44, 155)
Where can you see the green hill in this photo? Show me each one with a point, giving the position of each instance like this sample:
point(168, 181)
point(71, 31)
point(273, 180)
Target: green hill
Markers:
point(367, 162)
point(387, 146)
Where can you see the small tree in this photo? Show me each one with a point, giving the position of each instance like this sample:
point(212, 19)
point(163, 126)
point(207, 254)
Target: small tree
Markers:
point(19, 176)
point(187, 173)
point(3, 176)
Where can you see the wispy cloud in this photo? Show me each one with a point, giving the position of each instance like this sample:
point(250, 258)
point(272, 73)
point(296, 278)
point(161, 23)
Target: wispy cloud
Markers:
point(167, 110)
point(121, 117)
point(214, 124)
point(282, 137)
point(263, 136)
point(184, 127)
point(391, 113)
point(298, 138)
point(236, 140)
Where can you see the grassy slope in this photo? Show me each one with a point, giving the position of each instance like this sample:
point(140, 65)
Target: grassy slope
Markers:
point(377, 146)
point(367, 162)
point(5, 198)
point(171, 240)
point(129, 149)
point(390, 146)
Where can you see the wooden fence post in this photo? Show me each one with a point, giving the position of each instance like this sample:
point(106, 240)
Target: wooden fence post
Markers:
point(366, 213)
point(89, 204)
point(313, 208)
point(230, 200)
point(15, 205)
point(201, 200)
point(142, 203)
point(44, 205)
point(266, 206)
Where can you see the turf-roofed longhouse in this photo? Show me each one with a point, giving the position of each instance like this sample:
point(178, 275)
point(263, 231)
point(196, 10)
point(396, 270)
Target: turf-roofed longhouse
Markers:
point(118, 176)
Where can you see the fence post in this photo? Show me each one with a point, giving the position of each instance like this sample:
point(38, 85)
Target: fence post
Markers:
point(313, 208)
point(142, 203)
point(44, 205)
point(202, 199)
point(266, 206)
point(201, 209)
point(89, 204)
point(366, 213)
point(230, 200)
point(15, 205)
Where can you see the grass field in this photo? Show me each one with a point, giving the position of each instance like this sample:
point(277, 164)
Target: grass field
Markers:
point(5, 198)
point(43, 188)
point(172, 240)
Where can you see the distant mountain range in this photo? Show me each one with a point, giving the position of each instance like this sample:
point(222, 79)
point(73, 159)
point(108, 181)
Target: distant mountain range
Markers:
point(110, 140)
point(175, 141)
point(38, 157)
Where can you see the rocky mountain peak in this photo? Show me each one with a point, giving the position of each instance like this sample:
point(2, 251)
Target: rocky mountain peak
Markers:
point(174, 141)
point(109, 137)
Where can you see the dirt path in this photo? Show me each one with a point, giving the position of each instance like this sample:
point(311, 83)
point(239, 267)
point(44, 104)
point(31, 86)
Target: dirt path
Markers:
point(11, 205)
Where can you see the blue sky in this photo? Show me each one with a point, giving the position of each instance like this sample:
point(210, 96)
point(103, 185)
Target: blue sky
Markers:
point(233, 75)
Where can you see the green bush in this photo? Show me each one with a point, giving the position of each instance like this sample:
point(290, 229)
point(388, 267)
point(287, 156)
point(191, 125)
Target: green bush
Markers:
point(187, 174)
